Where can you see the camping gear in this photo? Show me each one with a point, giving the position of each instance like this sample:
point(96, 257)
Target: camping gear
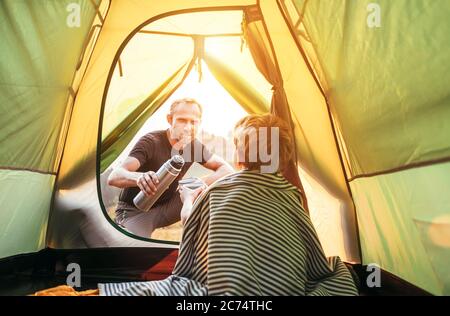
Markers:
point(166, 174)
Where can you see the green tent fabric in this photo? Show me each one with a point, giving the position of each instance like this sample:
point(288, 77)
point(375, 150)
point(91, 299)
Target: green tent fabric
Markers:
point(24, 232)
point(37, 72)
point(404, 224)
point(262, 51)
point(396, 52)
point(386, 125)
point(37, 64)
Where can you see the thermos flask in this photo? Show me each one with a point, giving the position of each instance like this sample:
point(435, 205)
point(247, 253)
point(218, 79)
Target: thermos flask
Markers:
point(166, 174)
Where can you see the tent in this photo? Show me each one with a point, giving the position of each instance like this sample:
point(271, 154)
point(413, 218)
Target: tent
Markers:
point(364, 85)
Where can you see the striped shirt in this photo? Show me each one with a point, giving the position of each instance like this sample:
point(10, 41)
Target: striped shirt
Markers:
point(248, 234)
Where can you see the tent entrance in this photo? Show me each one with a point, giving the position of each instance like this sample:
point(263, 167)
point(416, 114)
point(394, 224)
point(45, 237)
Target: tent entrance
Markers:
point(220, 113)
point(160, 57)
point(180, 57)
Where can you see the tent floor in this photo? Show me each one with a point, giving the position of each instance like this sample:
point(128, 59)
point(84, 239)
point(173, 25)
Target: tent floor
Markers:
point(22, 286)
point(27, 274)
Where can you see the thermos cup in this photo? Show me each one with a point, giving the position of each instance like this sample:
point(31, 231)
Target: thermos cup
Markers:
point(166, 175)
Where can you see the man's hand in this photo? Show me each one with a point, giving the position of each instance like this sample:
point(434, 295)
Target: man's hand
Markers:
point(147, 183)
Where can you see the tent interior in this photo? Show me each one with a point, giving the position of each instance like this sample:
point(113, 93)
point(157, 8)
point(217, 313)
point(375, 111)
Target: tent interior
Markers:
point(369, 108)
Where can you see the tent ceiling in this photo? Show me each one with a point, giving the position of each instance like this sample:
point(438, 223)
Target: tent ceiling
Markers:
point(202, 23)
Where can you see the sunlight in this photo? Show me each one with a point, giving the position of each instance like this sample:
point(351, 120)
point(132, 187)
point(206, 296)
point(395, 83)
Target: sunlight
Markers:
point(220, 110)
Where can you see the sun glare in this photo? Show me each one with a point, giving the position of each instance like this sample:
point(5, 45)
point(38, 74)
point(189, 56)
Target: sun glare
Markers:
point(220, 110)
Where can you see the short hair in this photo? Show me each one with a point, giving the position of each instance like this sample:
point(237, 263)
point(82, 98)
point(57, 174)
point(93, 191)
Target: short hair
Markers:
point(255, 122)
point(187, 101)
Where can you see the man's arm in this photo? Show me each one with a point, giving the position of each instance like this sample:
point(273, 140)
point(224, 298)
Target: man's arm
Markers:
point(126, 176)
point(219, 166)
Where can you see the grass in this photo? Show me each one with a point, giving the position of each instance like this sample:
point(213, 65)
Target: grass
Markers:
point(172, 232)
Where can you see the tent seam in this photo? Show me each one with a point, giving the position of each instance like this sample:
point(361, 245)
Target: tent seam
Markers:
point(410, 166)
point(27, 169)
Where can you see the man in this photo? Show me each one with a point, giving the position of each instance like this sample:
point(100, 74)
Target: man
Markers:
point(137, 172)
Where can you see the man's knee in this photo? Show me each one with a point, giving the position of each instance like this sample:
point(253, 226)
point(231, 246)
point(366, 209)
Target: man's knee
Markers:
point(169, 212)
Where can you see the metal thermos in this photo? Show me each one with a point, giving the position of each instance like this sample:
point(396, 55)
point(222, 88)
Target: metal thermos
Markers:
point(166, 174)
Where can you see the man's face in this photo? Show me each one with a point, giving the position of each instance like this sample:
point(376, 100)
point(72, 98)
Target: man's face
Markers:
point(184, 122)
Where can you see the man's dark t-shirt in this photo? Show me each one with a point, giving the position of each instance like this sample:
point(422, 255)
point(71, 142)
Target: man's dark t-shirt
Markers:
point(153, 150)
